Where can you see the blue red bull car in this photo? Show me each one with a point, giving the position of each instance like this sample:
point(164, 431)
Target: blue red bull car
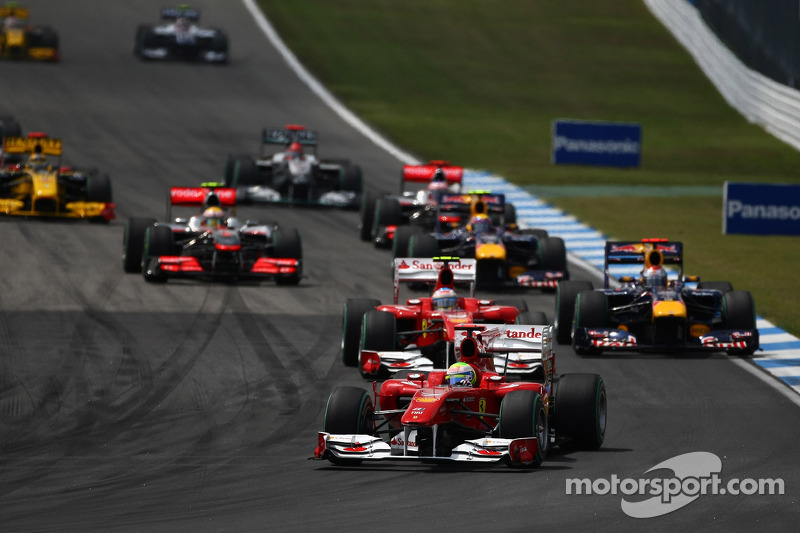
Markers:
point(659, 309)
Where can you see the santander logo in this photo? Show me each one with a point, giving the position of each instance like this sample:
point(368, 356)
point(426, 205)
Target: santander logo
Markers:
point(516, 334)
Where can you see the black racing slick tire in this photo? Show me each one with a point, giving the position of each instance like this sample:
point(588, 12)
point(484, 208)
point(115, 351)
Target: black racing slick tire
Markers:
point(523, 414)
point(566, 293)
point(230, 166)
point(552, 254)
point(509, 214)
point(348, 412)
point(158, 241)
point(388, 212)
point(739, 312)
point(591, 311)
point(286, 243)
point(98, 188)
point(402, 236)
point(580, 411)
point(365, 231)
point(133, 243)
point(379, 331)
point(245, 172)
point(351, 179)
point(352, 317)
point(423, 245)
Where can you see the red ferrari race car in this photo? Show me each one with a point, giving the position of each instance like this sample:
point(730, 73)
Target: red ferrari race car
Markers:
point(659, 310)
point(213, 245)
point(469, 412)
point(381, 216)
point(418, 335)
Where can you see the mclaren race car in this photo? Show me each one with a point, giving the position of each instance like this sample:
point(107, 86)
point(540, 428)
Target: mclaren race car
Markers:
point(34, 186)
point(475, 225)
point(212, 245)
point(469, 412)
point(660, 310)
point(418, 335)
point(381, 216)
point(294, 175)
point(20, 40)
point(179, 37)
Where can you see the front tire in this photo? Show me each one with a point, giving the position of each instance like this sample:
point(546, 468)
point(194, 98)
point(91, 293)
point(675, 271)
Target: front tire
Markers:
point(522, 414)
point(566, 293)
point(739, 312)
point(348, 412)
point(352, 317)
point(133, 243)
point(287, 244)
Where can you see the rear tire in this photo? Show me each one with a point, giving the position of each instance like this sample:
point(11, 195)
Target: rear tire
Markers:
point(580, 410)
point(566, 293)
point(522, 414)
point(352, 317)
point(245, 172)
point(423, 245)
point(552, 254)
point(402, 236)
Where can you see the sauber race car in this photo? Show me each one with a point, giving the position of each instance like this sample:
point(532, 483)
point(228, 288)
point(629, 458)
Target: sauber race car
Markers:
point(20, 40)
point(179, 37)
point(473, 225)
point(294, 175)
point(468, 413)
point(32, 185)
point(657, 311)
point(213, 245)
point(418, 335)
point(381, 216)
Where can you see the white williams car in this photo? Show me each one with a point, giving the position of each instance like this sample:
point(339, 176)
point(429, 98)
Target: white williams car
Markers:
point(179, 37)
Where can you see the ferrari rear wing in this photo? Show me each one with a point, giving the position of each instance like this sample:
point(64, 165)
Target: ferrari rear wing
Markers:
point(426, 270)
point(510, 338)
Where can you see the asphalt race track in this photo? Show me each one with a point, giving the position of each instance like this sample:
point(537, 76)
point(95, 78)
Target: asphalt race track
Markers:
point(126, 406)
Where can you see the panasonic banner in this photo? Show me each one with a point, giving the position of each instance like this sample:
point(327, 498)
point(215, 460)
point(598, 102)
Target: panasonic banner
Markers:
point(596, 143)
point(761, 209)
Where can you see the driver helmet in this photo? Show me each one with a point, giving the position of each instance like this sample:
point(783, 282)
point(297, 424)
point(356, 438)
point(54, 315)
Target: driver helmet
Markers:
point(444, 299)
point(438, 181)
point(654, 276)
point(295, 151)
point(480, 224)
point(38, 161)
point(461, 375)
point(213, 217)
